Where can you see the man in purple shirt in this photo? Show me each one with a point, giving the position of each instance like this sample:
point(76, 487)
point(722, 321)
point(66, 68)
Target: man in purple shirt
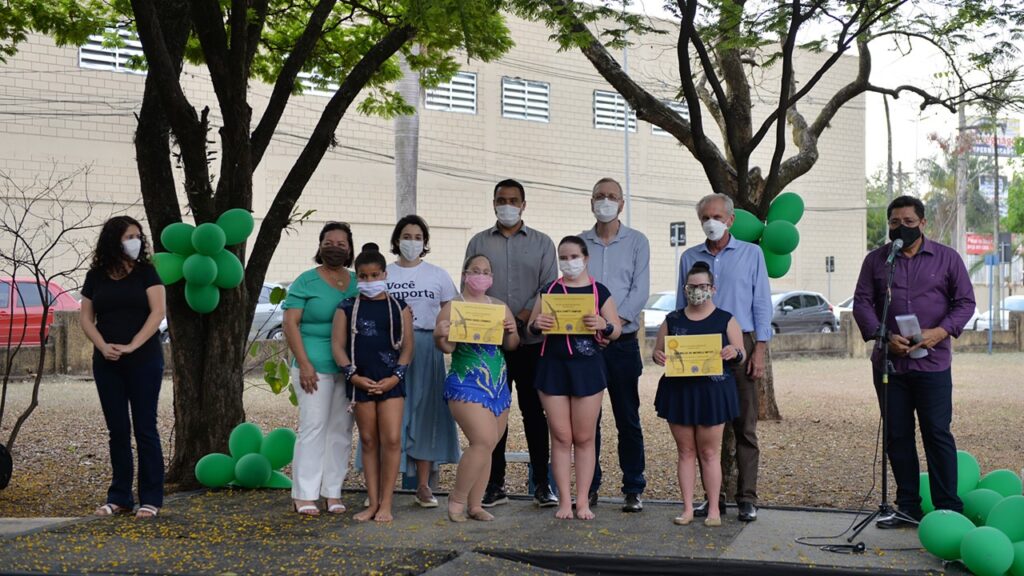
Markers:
point(931, 282)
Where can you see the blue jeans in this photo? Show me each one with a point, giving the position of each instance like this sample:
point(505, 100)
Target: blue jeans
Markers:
point(128, 390)
point(624, 365)
point(930, 395)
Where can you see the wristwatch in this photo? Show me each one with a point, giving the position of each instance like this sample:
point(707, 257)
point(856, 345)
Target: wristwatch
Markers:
point(609, 329)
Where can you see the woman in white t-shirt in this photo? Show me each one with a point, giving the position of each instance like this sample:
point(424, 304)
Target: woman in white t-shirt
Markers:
point(429, 436)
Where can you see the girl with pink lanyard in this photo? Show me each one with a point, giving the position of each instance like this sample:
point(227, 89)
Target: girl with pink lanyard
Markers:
point(571, 376)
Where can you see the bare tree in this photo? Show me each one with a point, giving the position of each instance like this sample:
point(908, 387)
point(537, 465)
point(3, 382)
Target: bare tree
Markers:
point(41, 224)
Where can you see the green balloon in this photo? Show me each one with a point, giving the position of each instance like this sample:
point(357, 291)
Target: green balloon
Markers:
point(777, 264)
point(1017, 568)
point(252, 471)
point(1003, 481)
point(199, 270)
point(786, 206)
point(202, 299)
point(968, 472)
point(978, 503)
point(168, 266)
point(229, 270)
point(215, 470)
point(237, 224)
point(942, 531)
point(279, 447)
point(746, 226)
point(987, 552)
point(278, 480)
point(177, 238)
point(925, 490)
point(208, 239)
point(780, 237)
point(1007, 516)
point(246, 438)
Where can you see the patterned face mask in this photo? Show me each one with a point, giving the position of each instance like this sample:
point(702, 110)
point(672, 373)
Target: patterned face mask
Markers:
point(697, 296)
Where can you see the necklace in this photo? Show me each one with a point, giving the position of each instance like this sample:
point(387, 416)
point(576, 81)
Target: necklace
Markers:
point(339, 279)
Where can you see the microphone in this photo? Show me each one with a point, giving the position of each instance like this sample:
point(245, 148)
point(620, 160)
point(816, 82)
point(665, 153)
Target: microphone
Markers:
point(897, 245)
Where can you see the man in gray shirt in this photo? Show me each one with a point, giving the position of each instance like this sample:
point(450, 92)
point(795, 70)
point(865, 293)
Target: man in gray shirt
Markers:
point(522, 261)
point(620, 259)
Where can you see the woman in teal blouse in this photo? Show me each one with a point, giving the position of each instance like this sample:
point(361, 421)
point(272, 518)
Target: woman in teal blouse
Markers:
point(325, 424)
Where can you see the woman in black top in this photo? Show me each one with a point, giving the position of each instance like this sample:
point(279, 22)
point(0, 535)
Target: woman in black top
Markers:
point(122, 307)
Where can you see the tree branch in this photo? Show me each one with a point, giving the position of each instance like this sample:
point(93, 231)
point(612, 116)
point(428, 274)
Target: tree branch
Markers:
point(297, 57)
point(208, 22)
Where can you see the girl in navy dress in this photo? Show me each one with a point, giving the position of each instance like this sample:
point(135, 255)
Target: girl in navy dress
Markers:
point(697, 407)
point(372, 343)
point(571, 376)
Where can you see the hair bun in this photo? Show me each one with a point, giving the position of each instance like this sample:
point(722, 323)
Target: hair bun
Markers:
point(370, 247)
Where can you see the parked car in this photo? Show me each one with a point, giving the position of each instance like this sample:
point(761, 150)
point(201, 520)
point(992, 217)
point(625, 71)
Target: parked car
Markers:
point(844, 306)
point(657, 307)
point(1010, 304)
point(266, 323)
point(801, 311)
point(21, 309)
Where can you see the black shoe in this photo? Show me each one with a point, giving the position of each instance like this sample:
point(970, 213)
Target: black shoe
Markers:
point(592, 499)
point(748, 512)
point(632, 503)
point(543, 497)
point(493, 496)
point(894, 520)
point(701, 511)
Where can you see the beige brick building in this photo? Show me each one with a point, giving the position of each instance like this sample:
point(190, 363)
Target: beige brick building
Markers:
point(61, 108)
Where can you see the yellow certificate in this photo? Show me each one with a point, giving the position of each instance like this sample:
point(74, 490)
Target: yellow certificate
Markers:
point(568, 311)
point(476, 323)
point(697, 355)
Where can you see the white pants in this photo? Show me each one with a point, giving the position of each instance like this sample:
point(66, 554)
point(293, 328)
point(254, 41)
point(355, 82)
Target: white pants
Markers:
point(324, 441)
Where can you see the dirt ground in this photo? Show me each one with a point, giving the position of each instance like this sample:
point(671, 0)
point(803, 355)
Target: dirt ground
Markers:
point(819, 455)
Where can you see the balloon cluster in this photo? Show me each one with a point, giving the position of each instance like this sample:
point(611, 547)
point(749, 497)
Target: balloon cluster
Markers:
point(989, 536)
point(197, 254)
point(255, 461)
point(777, 235)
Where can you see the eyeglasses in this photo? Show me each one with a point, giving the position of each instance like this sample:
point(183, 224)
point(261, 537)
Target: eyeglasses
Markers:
point(699, 286)
point(908, 222)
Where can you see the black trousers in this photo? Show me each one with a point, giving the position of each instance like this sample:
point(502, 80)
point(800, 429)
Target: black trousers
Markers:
point(624, 365)
point(522, 369)
point(930, 396)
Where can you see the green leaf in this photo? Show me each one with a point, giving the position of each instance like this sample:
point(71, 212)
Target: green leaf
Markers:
point(277, 295)
point(292, 397)
point(254, 349)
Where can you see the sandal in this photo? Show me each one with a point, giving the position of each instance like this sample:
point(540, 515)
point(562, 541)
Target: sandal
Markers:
point(337, 508)
point(427, 501)
point(111, 509)
point(683, 520)
point(147, 511)
point(306, 509)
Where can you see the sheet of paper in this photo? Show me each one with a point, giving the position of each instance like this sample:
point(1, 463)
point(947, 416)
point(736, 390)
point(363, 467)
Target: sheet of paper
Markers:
point(696, 355)
point(568, 311)
point(477, 323)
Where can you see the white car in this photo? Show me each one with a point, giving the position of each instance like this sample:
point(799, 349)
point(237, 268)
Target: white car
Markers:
point(844, 306)
point(266, 322)
point(1010, 304)
point(658, 306)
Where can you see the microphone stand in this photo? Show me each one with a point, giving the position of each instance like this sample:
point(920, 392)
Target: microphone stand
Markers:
point(882, 341)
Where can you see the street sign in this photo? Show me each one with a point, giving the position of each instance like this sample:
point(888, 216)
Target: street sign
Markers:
point(985, 141)
point(979, 243)
point(677, 234)
point(1005, 247)
point(830, 263)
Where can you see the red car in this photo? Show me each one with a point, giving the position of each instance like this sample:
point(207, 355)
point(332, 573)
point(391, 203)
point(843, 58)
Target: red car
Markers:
point(21, 309)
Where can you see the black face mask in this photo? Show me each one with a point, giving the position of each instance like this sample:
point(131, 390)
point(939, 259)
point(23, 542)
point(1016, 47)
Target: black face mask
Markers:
point(333, 256)
point(907, 234)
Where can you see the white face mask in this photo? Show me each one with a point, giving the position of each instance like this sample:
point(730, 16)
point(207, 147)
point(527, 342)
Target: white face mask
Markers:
point(508, 215)
point(410, 249)
point(372, 289)
point(606, 210)
point(714, 229)
point(572, 268)
point(132, 248)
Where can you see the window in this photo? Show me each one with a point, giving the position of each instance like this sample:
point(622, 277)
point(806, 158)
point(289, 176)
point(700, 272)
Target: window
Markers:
point(679, 108)
point(793, 301)
point(456, 95)
point(525, 99)
point(98, 54)
point(610, 111)
point(314, 84)
point(264, 295)
point(29, 294)
point(5, 296)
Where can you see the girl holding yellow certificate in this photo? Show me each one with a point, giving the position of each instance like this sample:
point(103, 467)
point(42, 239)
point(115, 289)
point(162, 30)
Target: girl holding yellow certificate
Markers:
point(697, 407)
point(476, 388)
point(571, 375)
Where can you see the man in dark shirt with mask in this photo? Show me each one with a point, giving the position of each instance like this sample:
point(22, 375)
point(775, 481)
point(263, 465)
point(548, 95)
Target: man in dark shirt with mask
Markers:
point(931, 282)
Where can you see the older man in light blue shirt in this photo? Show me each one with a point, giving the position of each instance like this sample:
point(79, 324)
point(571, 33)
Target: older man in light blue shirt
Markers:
point(742, 289)
point(620, 259)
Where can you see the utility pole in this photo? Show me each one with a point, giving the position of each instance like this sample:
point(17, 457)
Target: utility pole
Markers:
point(407, 142)
point(888, 164)
point(962, 149)
point(899, 174)
point(625, 139)
point(997, 316)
